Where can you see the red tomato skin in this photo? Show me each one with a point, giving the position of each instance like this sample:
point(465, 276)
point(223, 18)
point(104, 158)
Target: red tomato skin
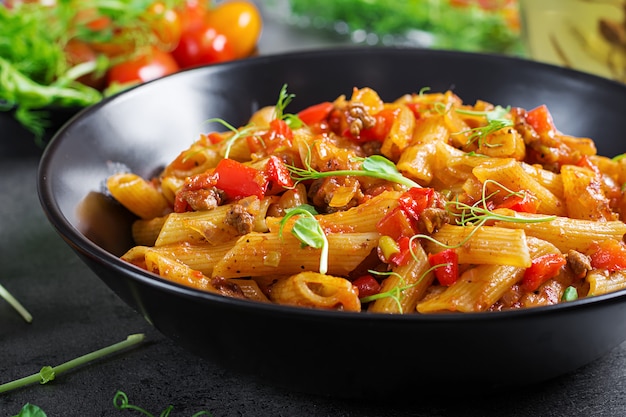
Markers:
point(147, 67)
point(316, 113)
point(541, 120)
point(240, 21)
point(416, 200)
point(277, 173)
point(202, 46)
point(166, 24)
point(396, 224)
point(608, 254)
point(542, 269)
point(447, 274)
point(238, 180)
point(367, 285)
point(527, 203)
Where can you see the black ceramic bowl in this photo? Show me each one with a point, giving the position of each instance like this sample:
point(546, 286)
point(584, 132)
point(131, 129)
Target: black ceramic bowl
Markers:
point(336, 353)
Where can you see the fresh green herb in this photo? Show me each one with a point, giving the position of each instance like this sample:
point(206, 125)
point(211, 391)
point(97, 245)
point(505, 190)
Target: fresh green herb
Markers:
point(396, 292)
point(35, 73)
point(496, 119)
point(374, 166)
point(120, 401)
point(31, 410)
point(308, 231)
point(48, 373)
point(237, 133)
point(436, 24)
point(8, 297)
point(619, 157)
point(570, 294)
point(478, 214)
point(284, 98)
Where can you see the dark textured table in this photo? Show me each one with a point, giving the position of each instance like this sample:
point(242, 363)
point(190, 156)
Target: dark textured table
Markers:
point(75, 313)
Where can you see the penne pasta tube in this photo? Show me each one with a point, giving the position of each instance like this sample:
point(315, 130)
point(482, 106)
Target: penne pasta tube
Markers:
point(138, 195)
point(478, 288)
point(603, 282)
point(484, 245)
point(509, 173)
point(565, 233)
point(411, 282)
point(311, 289)
point(259, 254)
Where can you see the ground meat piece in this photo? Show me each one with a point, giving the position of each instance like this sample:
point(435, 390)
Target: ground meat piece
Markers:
point(227, 288)
point(202, 199)
point(239, 218)
point(431, 219)
point(322, 191)
point(359, 118)
point(578, 263)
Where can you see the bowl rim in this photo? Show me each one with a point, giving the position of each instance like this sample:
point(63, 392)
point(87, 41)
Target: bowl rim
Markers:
point(84, 246)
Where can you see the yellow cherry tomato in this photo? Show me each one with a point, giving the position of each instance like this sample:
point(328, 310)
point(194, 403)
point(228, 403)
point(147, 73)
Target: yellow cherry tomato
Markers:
point(240, 21)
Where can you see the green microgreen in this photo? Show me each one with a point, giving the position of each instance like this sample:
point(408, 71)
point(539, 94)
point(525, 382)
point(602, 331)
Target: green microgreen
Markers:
point(120, 401)
point(284, 98)
point(396, 292)
point(478, 214)
point(31, 410)
point(245, 131)
point(49, 373)
point(375, 166)
point(308, 231)
point(9, 298)
point(496, 119)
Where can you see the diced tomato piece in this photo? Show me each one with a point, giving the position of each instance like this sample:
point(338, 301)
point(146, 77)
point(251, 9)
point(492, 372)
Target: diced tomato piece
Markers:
point(586, 162)
point(277, 173)
point(448, 273)
point(380, 130)
point(396, 224)
point(542, 269)
point(278, 135)
point(405, 254)
point(238, 180)
point(527, 203)
point(541, 120)
point(609, 254)
point(316, 113)
point(367, 285)
point(415, 200)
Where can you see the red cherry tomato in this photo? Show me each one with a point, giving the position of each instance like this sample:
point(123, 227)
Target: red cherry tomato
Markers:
point(154, 64)
point(192, 14)
point(78, 52)
point(240, 21)
point(201, 46)
point(166, 24)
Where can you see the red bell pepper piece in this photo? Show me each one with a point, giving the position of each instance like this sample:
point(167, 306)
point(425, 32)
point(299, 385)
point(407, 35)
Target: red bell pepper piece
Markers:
point(415, 200)
point(542, 269)
point(448, 273)
point(396, 224)
point(405, 254)
point(238, 180)
point(609, 254)
point(380, 130)
point(317, 113)
point(277, 136)
point(527, 203)
point(277, 173)
point(367, 285)
point(541, 120)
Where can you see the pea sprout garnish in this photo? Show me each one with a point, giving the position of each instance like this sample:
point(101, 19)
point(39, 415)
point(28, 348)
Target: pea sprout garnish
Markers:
point(478, 214)
point(308, 231)
point(375, 166)
point(292, 120)
point(9, 298)
point(496, 120)
point(396, 292)
point(49, 373)
point(121, 402)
